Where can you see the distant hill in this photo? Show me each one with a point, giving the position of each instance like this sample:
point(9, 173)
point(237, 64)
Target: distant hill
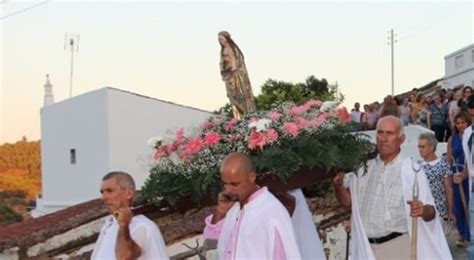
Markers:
point(20, 167)
point(20, 179)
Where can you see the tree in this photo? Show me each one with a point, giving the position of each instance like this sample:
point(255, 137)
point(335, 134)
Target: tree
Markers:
point(277, 92)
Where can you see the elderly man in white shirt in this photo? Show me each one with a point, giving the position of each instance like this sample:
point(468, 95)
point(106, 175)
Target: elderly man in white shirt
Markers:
point(123, 235)
point(382, 205)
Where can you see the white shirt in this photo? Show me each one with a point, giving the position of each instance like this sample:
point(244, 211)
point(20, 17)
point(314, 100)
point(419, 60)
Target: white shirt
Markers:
point(381, 204)
point(144, 233)
point(356, 116)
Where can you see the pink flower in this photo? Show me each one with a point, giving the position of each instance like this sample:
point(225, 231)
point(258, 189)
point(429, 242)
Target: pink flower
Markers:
point(317, 122)
point(193, 146)
point(212, 138)
point(313, 103)
point(178, 142)
point(271, 136)
point(232, 123)
point(291, 129)
point(275, 116)
point(206, 125)
point(256, 140)
point(343, 115)
point(163, 151)
point(297, 110)
point(303, 123)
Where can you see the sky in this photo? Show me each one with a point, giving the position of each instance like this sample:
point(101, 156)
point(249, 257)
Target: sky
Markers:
point(169, 50)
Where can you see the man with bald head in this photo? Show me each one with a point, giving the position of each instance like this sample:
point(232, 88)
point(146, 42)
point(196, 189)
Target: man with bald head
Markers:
point(249, 222)
point(381, 197)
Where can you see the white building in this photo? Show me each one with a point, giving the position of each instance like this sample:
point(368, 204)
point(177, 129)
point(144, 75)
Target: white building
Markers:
point(87, 136)
point(459, 68)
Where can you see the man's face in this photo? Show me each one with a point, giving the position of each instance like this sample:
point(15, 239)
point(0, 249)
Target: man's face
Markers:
point(425, 148)
point(113, 196)
point(389, 139)
point(237, 185)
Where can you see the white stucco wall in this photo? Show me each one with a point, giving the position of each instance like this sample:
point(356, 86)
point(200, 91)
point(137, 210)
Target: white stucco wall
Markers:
point(109, 129)
point(78, 123)
point(461, 76)
point(132, 120)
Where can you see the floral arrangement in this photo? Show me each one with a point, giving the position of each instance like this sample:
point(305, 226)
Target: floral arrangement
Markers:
point(279, 142)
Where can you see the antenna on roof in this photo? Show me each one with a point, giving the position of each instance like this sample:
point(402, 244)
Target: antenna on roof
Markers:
point(71, 43)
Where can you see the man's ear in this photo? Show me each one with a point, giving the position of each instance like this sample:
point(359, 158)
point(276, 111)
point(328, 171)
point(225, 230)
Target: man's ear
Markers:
point(402, 138)
point(129, 194)
point(252, 176)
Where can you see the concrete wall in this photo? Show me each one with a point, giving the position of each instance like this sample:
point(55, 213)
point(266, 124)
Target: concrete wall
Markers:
point(78, 123)
point(462, 75)
point(109, 129)
point(132, 120)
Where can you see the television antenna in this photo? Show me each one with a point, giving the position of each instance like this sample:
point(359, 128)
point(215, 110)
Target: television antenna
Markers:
point(71, 43)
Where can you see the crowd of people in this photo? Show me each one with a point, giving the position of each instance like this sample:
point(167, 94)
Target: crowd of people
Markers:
point(435, 112)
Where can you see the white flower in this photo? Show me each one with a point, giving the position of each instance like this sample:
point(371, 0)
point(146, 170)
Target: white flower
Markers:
point(328, 105)
point(260, 125)
point(154, 141)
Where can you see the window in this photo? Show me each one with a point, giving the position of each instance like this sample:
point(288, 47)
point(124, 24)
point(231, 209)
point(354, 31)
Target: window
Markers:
point(72, 153)
point(459, 62)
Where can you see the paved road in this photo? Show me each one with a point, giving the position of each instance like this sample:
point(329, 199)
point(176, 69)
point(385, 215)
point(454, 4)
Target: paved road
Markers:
point(459, 253)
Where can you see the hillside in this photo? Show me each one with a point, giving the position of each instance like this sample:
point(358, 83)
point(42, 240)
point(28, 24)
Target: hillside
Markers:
point(20, 178)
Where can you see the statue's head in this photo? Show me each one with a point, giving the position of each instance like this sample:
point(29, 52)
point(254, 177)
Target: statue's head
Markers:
point(223, 37)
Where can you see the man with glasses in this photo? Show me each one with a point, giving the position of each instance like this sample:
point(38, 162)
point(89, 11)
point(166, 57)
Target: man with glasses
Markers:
point(467, 144)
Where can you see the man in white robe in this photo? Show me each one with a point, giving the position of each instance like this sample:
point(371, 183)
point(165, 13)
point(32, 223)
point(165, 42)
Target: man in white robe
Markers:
point(383, 207)
point(307, 236)
point(467, 145)
point(249, 222)
point(123, 235)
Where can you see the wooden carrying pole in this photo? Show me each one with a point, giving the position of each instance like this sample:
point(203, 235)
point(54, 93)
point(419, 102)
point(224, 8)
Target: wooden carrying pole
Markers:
point(414, 220)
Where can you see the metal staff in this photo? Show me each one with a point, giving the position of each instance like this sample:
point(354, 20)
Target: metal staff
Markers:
point(461, 191)
point(414, 220)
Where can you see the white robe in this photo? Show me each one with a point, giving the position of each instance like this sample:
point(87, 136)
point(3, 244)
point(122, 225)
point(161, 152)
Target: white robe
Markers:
point(431, 240)
point(263, 215)
point(467, 154)
point(144, 233)
point(306, 234)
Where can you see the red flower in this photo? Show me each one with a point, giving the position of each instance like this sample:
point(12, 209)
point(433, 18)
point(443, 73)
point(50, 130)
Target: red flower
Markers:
point(291, 129)
point(343, 115)
point(256, 140)
point(161, 152)
point(212, 138)
point(193, 146)
point(271, 136)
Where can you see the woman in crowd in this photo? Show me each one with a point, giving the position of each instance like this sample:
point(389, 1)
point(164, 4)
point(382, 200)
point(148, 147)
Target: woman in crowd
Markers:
point(460, 187)
point(439, 175)
point(405, 111)
point(422, 115)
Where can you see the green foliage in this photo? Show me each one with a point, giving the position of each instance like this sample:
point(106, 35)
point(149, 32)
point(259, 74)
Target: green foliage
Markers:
point(274, 92)
point(8, 215)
